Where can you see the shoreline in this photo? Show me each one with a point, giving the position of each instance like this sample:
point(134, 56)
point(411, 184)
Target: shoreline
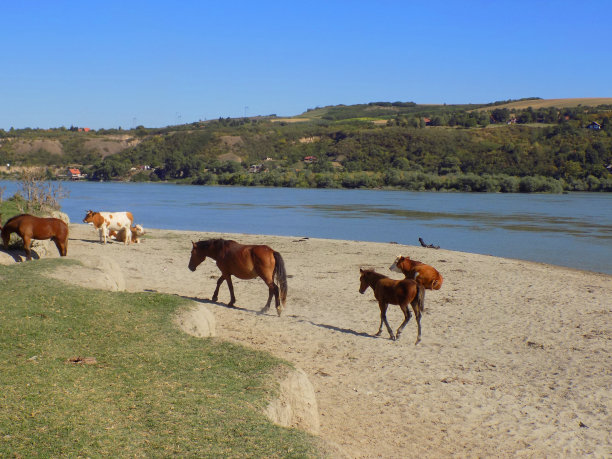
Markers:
point(514, 356)
point(549, 230)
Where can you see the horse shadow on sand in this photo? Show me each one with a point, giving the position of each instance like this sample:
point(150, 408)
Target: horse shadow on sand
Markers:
point(271, 313)
point(217, 303)
point(19, 255)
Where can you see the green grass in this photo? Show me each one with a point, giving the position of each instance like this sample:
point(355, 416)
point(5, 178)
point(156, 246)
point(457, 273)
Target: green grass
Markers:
point(154, 391)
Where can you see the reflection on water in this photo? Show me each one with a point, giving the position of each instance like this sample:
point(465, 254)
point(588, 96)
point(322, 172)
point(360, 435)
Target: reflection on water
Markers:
point(517, 222)
point(570, 230)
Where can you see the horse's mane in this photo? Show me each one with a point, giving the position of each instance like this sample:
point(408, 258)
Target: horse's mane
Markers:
point(209, 242)
point(379, 275)
point(16, 217)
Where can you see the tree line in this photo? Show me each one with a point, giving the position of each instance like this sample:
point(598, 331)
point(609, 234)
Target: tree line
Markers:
point(463, 148)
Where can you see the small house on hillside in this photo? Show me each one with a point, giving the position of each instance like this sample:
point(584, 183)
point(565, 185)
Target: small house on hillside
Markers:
point(310, 159)
point(75, 174)
point(594, 125)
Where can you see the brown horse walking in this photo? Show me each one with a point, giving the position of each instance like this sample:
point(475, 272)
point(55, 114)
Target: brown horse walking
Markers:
point(244, 262)
point(389, 291)
point(29, 227)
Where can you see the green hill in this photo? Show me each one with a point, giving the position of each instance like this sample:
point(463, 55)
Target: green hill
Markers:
point(536, 145)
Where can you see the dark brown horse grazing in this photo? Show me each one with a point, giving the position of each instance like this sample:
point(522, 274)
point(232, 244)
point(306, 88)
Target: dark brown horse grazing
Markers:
point(244, 262)
point(389, 291)
point(30, 227)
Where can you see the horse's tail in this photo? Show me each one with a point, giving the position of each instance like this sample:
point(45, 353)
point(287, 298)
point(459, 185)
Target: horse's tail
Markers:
point(437, 283)
point(281, 276)
point(421, 297)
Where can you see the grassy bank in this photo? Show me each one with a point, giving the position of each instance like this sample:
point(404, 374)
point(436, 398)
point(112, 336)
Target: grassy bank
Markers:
point(152, 391)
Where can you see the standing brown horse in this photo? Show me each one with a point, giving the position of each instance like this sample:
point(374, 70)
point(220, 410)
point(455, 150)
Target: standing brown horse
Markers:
point(244, 262)
point(389, 291)
point(30, 227)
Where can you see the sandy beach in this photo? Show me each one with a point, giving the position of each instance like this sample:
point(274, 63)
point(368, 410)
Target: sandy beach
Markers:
point(515, 357)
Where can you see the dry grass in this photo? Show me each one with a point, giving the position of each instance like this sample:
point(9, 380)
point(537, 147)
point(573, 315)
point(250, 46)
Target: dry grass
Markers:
point(559, 103)
point(289, 120)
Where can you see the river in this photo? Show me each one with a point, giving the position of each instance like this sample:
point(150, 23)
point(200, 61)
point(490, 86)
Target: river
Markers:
point(572, 230)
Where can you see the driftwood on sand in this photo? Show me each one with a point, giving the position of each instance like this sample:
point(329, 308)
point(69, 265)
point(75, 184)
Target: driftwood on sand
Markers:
point(429, 246)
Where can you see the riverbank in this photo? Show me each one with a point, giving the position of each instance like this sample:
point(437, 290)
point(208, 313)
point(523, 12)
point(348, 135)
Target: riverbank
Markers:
point(514, 358)
point(573, 230)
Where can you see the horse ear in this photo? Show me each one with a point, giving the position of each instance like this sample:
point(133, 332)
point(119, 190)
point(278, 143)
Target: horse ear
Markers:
point(360, 270)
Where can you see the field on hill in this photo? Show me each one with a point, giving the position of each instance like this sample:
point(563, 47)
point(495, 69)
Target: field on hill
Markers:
point(558, 103)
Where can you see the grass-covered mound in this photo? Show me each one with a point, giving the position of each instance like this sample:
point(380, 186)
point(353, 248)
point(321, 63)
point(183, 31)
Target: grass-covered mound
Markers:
point(151, 390)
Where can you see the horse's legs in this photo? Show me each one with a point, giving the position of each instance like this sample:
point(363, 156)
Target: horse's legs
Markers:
point(61, 246)
point(5, 239)
point(407, 315)
point(417, 317)
point(383, 319)
point(219, 282)
point(26, 245)
point(231, 289)
point(267, 306)
point(272, 292)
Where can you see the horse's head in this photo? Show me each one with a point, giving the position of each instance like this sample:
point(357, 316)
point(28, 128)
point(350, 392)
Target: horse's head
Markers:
point(363, 280)
point(197, 255)
point(395, 266)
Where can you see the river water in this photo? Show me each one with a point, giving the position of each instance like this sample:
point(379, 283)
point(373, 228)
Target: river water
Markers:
point(572, 230)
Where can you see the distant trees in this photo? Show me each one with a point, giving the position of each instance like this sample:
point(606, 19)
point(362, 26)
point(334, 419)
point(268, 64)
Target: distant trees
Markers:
point(414, 147)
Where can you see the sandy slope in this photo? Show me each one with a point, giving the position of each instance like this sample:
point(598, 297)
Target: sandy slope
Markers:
point(515, 358)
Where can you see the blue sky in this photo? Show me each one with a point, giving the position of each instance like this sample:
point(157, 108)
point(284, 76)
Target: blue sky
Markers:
point(124, 63)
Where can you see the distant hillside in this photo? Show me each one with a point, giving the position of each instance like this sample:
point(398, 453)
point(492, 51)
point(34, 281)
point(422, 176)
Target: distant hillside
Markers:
point(536, 145)
point(386, 110)
point(379, 110)
point(558, 103)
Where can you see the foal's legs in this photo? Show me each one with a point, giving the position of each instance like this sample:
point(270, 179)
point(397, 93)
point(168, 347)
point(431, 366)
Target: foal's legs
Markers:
point(407, 315)
point(383, 319)
point(417, 317)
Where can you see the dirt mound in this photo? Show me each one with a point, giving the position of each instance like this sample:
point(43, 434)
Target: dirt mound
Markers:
point(296, 405)
point(197, 321)
point(101, 273)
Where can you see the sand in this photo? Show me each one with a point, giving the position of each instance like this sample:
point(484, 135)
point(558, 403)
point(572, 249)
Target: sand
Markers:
point(514, 358)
